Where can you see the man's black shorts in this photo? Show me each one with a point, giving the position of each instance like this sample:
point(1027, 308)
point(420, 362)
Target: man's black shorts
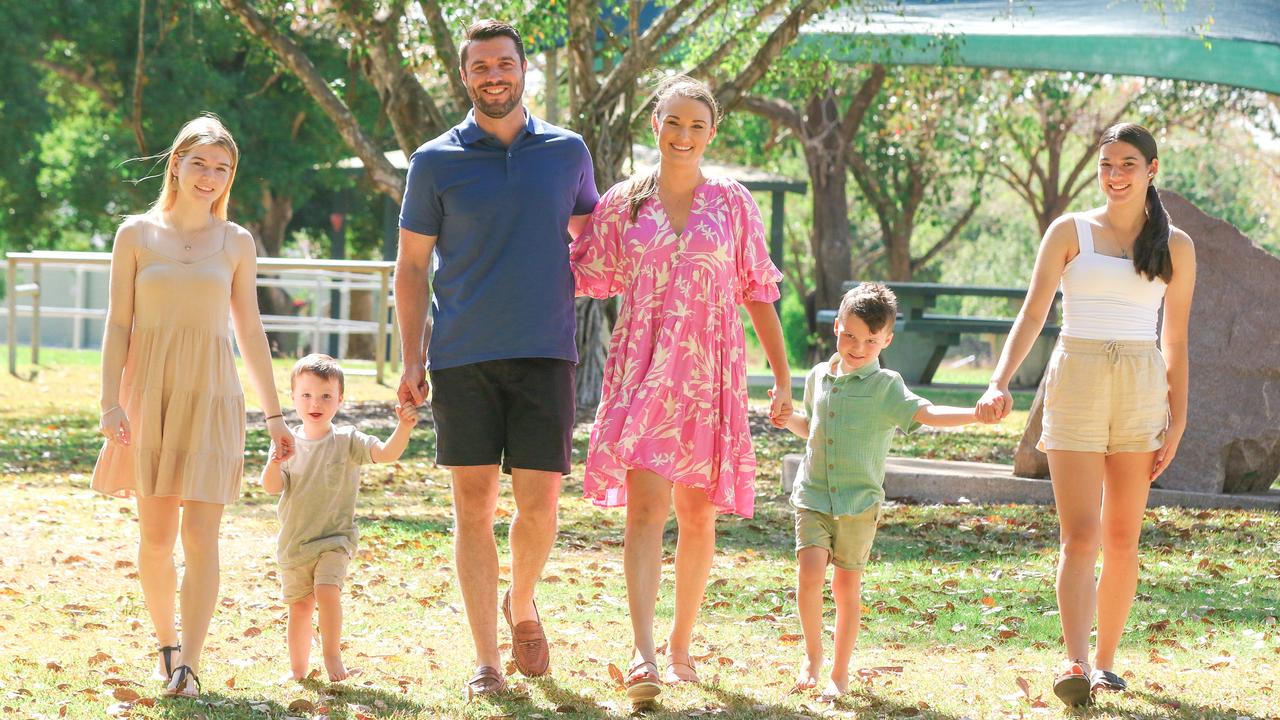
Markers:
point(518, 413)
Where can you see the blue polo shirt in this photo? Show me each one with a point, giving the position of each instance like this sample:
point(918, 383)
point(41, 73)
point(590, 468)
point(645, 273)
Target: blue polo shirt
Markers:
point(502, 287)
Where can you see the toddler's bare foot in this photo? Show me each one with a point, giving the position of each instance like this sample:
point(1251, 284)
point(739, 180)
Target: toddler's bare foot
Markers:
point(807, 678)
point(291, 676)
point(838, 685)
point(337, 671)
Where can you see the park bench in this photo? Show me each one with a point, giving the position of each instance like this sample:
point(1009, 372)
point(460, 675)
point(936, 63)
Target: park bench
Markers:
point(922, 338)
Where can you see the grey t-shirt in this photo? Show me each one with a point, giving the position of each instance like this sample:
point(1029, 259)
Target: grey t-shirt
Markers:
point(317, 509)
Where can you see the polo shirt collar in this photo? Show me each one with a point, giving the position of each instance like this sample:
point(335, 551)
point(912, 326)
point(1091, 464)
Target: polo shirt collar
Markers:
point(861, 373)
point(469, 131)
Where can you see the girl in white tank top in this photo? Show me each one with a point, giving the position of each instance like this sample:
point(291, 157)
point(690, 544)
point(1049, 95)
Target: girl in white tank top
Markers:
point(1115, 405)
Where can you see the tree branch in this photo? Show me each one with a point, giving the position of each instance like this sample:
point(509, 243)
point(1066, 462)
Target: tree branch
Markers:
point(951, 235)
point(774, 109)
point(860, 103)
point(730, 94)
point(639, 56)
point(446, 50)
point(139, 71)
point(84, 78)
point(381, 172)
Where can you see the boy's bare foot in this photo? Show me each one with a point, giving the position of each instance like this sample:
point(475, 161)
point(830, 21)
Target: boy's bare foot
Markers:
point(807, 678)
point(337, 671)
point(291, 676)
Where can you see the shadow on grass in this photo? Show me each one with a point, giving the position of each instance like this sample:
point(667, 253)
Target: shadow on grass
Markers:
point(373, 701)
point(1167, 706)
point(859, 699)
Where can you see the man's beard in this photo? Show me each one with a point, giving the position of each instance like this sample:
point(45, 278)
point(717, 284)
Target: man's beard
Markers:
point(497, 109)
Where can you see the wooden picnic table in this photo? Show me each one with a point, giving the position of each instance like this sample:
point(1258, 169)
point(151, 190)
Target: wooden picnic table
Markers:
point(923, 338)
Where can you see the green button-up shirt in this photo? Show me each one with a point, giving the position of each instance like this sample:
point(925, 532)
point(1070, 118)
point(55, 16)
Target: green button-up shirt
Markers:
point(852, 419)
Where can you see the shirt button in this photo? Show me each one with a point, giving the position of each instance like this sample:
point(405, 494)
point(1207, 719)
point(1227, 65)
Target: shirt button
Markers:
point(835, 390)
point(831, 467)
point(830, 441)
point(831, 414)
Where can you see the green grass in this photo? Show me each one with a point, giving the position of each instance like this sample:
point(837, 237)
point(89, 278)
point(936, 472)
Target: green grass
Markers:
point(960, 603)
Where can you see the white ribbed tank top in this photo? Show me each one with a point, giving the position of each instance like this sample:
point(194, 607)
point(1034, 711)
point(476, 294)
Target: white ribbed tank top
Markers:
point(1105, 298)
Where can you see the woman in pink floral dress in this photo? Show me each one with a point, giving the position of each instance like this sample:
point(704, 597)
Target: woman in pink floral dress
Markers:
point(683, 251)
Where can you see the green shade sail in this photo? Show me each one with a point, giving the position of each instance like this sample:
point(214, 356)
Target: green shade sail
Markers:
point(1212, 41)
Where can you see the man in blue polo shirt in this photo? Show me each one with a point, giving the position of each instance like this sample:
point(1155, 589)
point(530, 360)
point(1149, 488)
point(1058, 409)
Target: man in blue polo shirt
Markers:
point(496, 199)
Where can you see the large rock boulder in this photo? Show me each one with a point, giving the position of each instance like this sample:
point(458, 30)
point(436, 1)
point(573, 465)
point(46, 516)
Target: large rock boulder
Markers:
point(1232, 443)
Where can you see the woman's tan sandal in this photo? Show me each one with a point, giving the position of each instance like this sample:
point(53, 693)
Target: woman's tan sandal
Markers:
point(1073, 687)
point(643, 684)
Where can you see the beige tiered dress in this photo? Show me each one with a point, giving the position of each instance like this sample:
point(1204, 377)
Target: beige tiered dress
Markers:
point(179, 389)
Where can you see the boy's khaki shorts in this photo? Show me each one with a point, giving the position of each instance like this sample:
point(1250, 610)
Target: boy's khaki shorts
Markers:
point(1105, 397)
point(846, 538)
point(329, 568)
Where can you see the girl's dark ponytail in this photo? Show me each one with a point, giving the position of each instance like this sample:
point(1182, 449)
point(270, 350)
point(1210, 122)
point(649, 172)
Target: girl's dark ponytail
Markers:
point(1151, 248)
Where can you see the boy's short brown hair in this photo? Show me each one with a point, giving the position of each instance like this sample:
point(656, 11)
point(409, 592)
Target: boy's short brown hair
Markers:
point(873, 303)
point(322, 366)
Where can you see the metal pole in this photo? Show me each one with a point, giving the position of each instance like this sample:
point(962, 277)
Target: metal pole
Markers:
point(380, 350)
point(35, 315)
point(317, 310)
point(11, 300)
point(776, 226)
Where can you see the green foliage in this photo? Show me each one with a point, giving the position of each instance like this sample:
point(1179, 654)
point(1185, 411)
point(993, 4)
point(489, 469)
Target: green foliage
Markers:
point(795, 328)
point(78, 178)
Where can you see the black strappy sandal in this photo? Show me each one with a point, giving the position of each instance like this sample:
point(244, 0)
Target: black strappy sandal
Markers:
point(1107, 680)
point(179, 686)
point(166, 657)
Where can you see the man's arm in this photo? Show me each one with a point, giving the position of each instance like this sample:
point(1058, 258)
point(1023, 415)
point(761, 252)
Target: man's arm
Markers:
point(413, 263)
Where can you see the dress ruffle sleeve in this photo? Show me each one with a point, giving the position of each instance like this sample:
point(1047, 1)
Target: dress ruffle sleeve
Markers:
point(757, 276)
point(597, 255)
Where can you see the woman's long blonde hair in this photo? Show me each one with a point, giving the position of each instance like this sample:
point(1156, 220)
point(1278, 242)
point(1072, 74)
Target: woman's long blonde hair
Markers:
point(643, 187)
point(204, 130)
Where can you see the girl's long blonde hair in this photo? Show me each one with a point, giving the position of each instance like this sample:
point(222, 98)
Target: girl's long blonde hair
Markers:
point(204, 130)
point(642, 187)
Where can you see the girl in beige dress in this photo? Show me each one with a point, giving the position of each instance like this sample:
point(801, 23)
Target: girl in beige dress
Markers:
point(172, 407)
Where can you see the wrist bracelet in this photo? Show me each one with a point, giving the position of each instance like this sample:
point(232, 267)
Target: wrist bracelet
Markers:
point(113, 407)
point(273, 417)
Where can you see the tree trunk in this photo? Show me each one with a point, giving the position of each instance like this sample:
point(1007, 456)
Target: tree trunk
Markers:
point(268, 232)
point(899, 254)
point(829, 239)
point(825, 151)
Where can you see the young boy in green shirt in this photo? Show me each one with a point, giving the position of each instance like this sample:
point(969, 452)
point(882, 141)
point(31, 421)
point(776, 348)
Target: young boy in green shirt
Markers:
point(851, 408)
point(318, 488)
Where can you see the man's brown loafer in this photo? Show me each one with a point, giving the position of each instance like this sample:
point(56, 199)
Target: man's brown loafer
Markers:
point(529, 647)
point(486, 681)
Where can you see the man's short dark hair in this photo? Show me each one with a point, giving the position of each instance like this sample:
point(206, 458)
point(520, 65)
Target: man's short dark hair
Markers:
point(487, 30)
point(873, 303)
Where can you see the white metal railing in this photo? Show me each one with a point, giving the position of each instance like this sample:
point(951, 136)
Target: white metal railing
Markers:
point(321, 276)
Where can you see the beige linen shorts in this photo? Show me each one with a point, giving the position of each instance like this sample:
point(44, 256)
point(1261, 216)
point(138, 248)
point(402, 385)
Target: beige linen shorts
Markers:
point(329, 568)
point(1105, 396)
point(846, 538)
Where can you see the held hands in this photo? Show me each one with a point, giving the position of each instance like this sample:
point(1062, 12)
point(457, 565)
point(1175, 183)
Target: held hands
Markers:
point(407, 414)
point(994, 405)
point(114, 424)
point(281, 440)
point(779, 406)
point(414, 387)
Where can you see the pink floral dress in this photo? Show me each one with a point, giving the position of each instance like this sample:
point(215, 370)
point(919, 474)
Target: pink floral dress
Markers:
point(675, 388)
